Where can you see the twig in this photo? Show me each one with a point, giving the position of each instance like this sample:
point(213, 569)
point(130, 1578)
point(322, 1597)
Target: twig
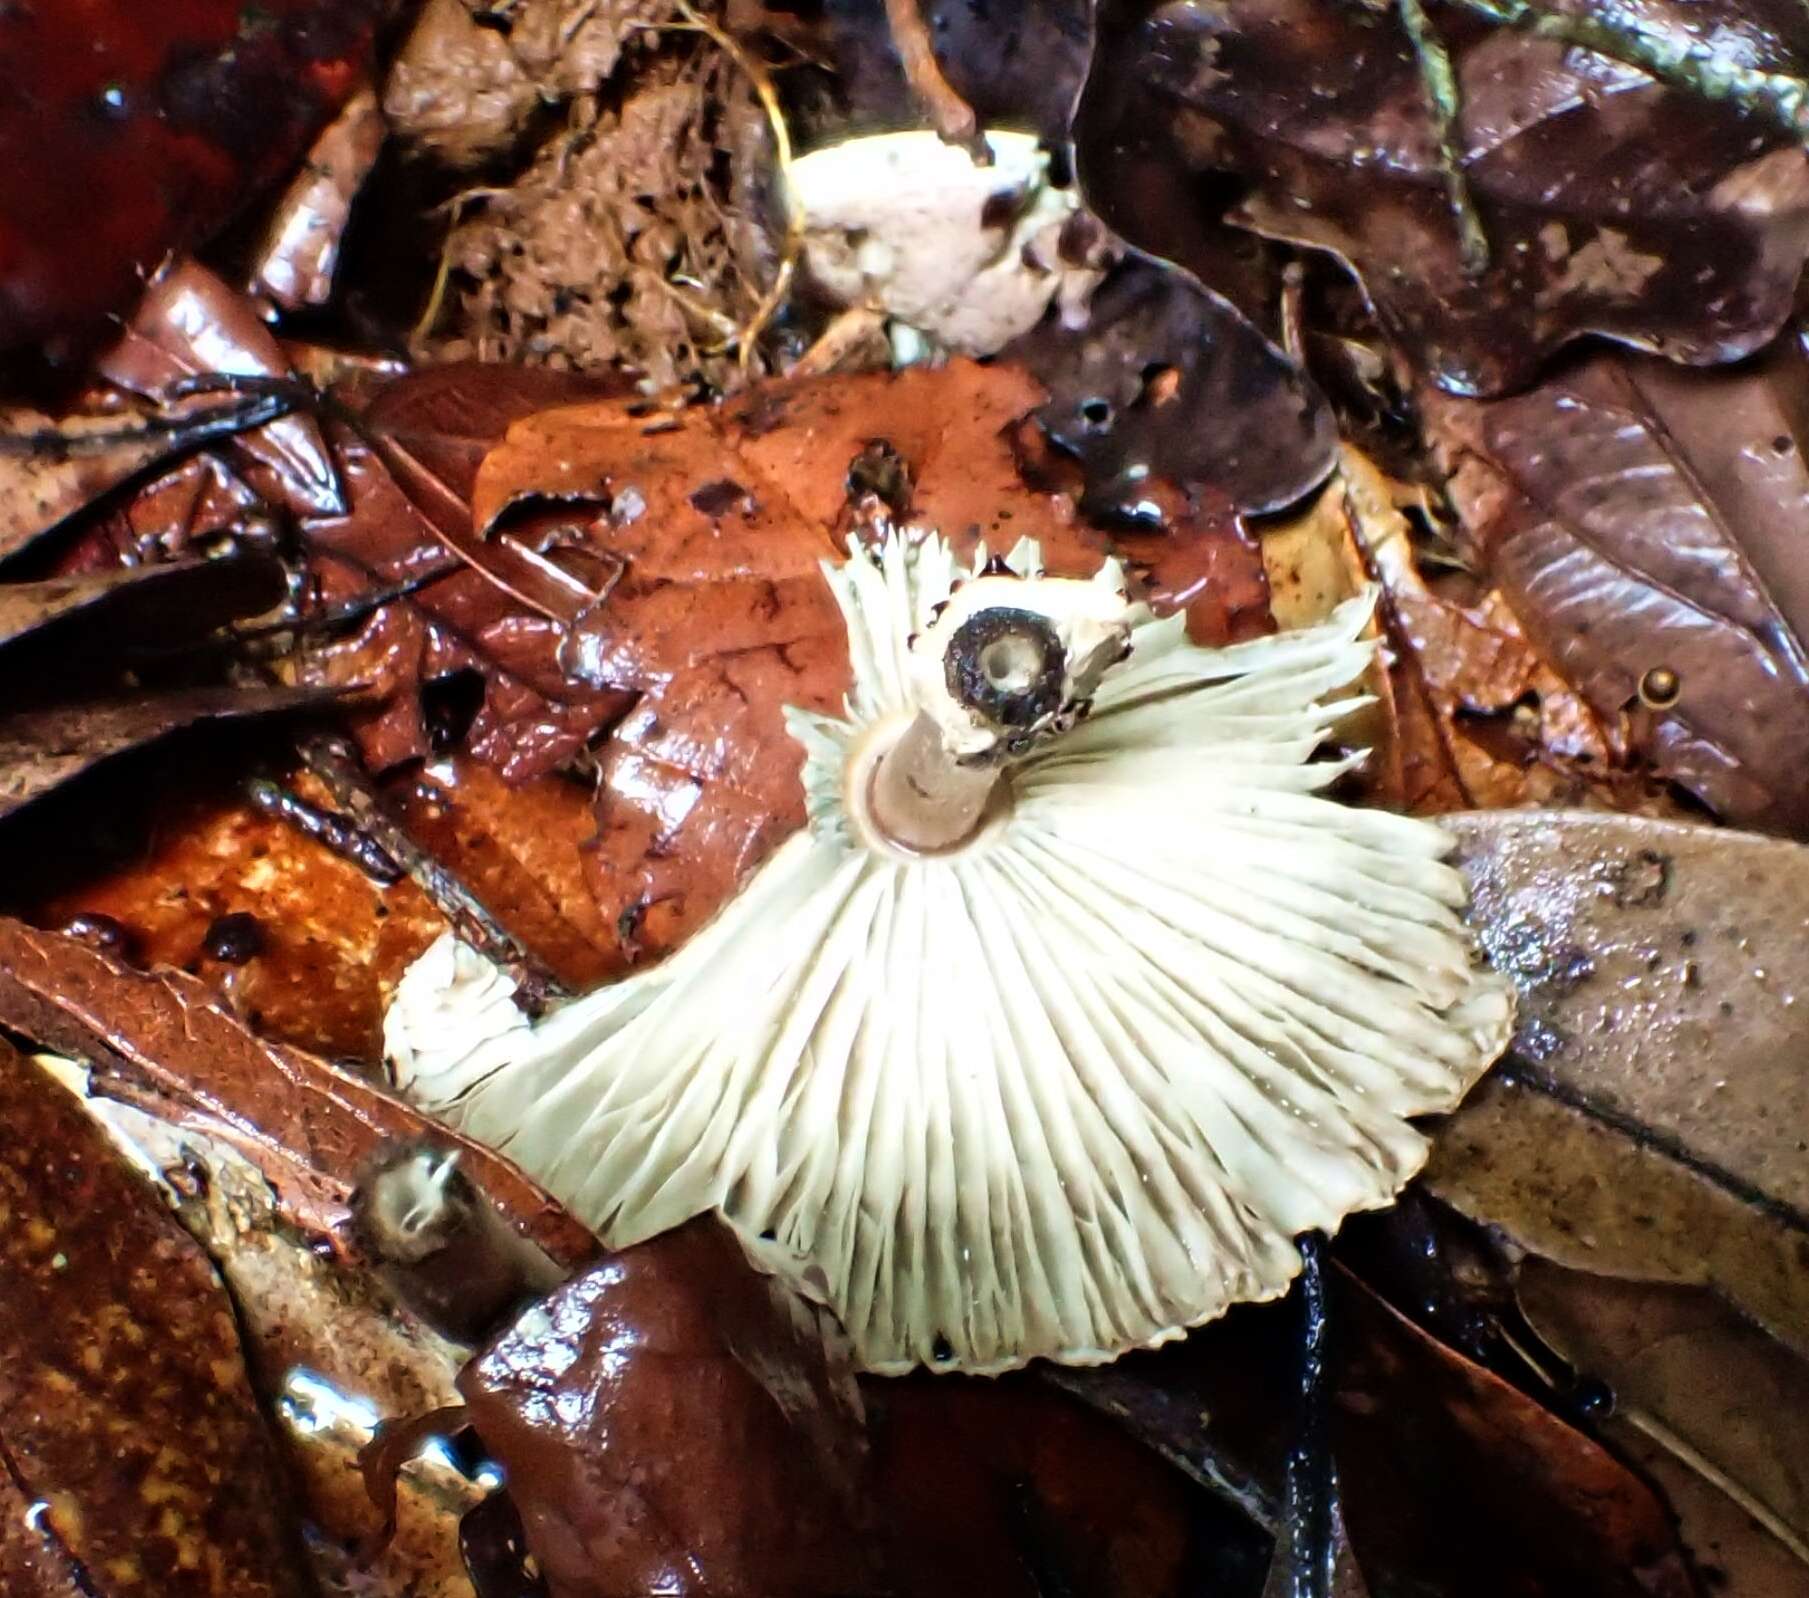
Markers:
point(181, 432)
point(1306, 1547)
point(1700, 65)
point(951, 116)
point(326, 827)
point(1442, 100)
point(333, 763)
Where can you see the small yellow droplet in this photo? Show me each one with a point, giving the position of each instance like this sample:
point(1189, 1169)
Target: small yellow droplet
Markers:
point(1659, 688)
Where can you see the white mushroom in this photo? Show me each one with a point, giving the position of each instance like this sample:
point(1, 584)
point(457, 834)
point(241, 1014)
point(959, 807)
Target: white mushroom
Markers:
point(1051, 1030)
point(969, 256)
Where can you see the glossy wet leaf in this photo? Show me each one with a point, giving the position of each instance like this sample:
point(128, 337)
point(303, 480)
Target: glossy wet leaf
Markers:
point(124, 1402)
point(671, 1421)
point(1610, 205)
point(1649, 1127)
point(137, 133)
point(1647, 525)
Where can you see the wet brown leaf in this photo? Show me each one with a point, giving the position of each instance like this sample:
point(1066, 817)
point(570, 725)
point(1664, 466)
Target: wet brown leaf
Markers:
point(1646, 523)
point(163, 1043)
point(1610, 205)
point(714, 613)
point(124, 1402)
point(628, 1408)
point(1689, 1373)
point(191, 324)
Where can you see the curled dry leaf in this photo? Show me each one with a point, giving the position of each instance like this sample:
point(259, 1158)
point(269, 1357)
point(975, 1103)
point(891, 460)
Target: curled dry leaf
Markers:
point(1455, 1484)
point(191, 324)
point(1610, 205)
point(1643, 949)
point(161, 121)
point(1693, 1376)
point(125, 1408)
point(1646, 524)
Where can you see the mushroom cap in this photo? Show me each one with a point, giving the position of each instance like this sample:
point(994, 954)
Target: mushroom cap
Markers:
point(1063, 1091)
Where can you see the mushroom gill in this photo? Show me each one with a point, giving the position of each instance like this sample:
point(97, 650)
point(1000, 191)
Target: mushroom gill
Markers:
point(1075, 1002)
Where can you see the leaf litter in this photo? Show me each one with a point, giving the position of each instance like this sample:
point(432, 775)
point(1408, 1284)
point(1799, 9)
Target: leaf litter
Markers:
point(533, 613)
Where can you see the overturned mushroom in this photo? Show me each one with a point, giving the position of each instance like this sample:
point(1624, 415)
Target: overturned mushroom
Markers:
point(1073, 1004)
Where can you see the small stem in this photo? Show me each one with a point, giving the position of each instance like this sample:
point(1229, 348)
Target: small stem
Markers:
point(1439, 79)
point(951, 116)
point(921, 798)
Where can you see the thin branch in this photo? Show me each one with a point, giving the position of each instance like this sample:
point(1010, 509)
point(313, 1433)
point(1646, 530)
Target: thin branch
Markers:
point(951, 116)
point(1444, 102)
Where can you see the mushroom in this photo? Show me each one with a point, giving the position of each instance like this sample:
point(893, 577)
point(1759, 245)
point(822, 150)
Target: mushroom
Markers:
point(1073, 1004)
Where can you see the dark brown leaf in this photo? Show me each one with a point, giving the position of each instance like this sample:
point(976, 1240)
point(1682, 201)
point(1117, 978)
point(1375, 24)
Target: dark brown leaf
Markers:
point(142, 607)
point(124, 1402)
point(1647, 525)
point(41, 749)
point(1689, 1373)
point(1610, 205)
point(472, 606)
point(1167, 381)
point(1455, 1484)
point(192, 324)
point(670, 1420)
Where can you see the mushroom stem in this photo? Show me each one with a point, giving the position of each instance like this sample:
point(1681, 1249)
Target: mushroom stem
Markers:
point(921, 797)
point(1007, 683)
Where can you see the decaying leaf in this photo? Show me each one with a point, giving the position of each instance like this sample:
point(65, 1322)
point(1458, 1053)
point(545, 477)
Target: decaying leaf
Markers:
point(42, 749)
point(163, 1043)
point(1609, 205)
point(1455, 1484)
point(191, 325)
point(1689, 1373)
point(124, 1403)
point(1646, 524)
point(300, 249)
point(1163, 380)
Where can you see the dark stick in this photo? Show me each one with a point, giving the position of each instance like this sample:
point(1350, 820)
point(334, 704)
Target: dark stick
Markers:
point(326, 827)
point(1306, 1548)
point(332, 760)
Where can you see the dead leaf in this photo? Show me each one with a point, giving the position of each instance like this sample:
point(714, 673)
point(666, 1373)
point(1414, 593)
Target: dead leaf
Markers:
point(124, 1403)
point(300, 250)
point(1455, 1484)
point(162, 1043)
point(1687, 1372)
point(1610, 205)
point(1645, 524)
point(190, 324)
point(1133, 386)
point(142, 607)
point(42, 749)
point(672, 1410)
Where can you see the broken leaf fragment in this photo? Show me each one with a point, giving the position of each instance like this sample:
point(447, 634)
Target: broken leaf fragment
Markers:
point(1065, 1087)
